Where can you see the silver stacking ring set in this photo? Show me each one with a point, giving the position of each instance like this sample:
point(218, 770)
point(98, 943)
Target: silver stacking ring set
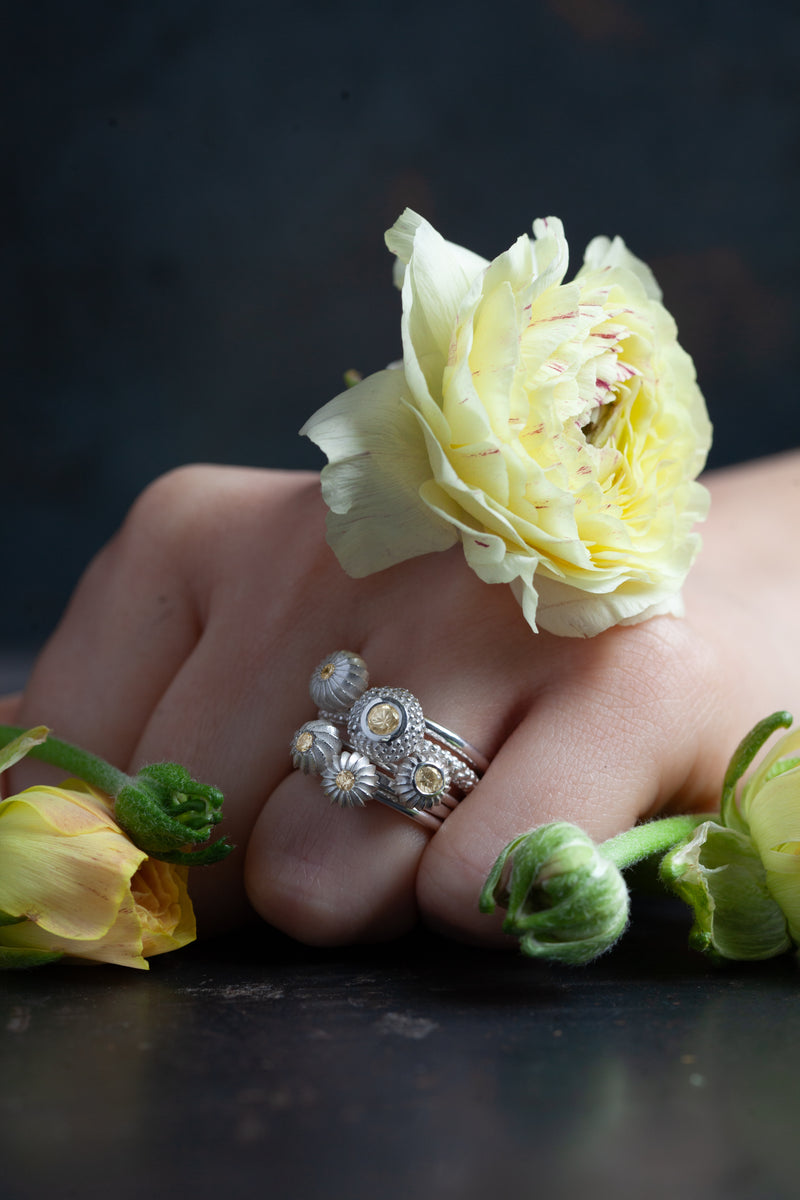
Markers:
point(376, 744)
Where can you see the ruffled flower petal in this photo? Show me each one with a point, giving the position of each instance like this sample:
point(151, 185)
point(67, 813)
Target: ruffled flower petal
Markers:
point(555, 429)
point(377, 463)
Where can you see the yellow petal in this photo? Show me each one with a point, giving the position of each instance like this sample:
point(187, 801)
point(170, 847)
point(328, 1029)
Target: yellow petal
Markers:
point(163, 907)
point(787, 746)
point(377, 461)
point(154, 916)
point(773, 813)
point(439, 274)
point(63, 864)
point(120, 944)
point(67, 810)
point(785, 887)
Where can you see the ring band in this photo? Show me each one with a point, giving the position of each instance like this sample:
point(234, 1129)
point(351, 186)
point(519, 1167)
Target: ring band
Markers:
point(377, 744)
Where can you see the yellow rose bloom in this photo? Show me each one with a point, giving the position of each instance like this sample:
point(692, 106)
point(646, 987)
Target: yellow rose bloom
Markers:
point(770, 809)
point(554, 430)
point(80, 886)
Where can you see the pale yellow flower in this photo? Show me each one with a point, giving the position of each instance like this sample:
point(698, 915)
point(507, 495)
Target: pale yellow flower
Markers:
point(555, 430)
point(79, 883)
point(770, 809)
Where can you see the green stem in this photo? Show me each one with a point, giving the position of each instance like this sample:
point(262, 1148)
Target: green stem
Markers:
point(74, 761)
point(654, 837)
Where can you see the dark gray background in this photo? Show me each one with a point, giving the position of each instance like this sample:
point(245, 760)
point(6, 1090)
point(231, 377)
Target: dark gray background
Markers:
point(195, 195)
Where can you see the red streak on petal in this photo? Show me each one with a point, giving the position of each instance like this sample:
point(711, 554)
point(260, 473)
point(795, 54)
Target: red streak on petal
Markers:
point(570, 316)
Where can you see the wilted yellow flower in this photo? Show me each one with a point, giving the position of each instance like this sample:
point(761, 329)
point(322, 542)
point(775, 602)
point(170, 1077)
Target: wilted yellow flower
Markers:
point(79, 886)
point(770, 809)
point(555, 430)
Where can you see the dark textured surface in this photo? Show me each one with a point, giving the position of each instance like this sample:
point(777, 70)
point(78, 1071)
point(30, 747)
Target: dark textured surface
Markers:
point(195, 196)
point(257, 1067)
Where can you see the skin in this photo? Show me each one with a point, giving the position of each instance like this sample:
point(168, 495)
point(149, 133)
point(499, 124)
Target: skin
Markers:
point(193, 634)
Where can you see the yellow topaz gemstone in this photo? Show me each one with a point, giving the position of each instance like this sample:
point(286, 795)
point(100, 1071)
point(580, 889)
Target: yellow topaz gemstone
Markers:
point(383, 719)
point(428, 780)
point(345, 780)
point(304, 741)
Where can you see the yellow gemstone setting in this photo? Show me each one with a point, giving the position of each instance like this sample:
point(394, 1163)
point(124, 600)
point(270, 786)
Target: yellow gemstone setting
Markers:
point(384, 719)
point(428, 780)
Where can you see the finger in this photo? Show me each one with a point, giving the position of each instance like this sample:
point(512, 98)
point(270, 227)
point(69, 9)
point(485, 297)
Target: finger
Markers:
point(228, 719)
point(10, 708)
point(330, 876)
point(608, 742)
point(129, 626)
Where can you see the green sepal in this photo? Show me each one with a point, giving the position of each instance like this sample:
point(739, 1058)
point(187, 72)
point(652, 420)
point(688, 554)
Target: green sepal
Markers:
point(204, 857)
point(17, 958)
point(719, 874)
point(163, 811)
point(495, 889)
point(742, 756)
point(21, 745)
point(10, 919)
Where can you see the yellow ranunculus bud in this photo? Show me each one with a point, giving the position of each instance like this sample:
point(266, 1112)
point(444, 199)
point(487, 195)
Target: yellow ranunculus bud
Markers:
point(72, 882)
point(770, 809)
point(741, 875)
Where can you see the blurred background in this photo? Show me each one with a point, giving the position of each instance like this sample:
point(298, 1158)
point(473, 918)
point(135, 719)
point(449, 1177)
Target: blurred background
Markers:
point(195, 196)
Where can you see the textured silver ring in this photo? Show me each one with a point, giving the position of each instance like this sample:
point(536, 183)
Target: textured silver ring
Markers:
point(377, 744)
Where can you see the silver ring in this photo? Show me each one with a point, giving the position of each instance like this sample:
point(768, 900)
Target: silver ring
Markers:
point(377, 744)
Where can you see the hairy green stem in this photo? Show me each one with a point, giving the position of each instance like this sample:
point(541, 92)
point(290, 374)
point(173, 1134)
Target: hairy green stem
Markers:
point(75, 761)
point(654, 837)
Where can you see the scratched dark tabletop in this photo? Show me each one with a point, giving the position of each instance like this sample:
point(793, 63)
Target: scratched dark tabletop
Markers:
point(252, 1066)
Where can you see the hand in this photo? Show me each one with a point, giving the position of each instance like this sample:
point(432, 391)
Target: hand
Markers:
point(193, 635)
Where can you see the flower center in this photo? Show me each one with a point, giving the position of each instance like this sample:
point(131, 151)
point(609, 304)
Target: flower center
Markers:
point(345, 781)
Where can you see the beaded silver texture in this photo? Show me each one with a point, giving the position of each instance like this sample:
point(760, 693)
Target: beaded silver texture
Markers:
point(350, 780)
point(387, 724)
point(338, 681)
point(314, 745)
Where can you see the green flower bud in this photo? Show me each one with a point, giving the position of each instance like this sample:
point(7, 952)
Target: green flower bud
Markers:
point(564, 899)
point(720, 874)
point(163, 810)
